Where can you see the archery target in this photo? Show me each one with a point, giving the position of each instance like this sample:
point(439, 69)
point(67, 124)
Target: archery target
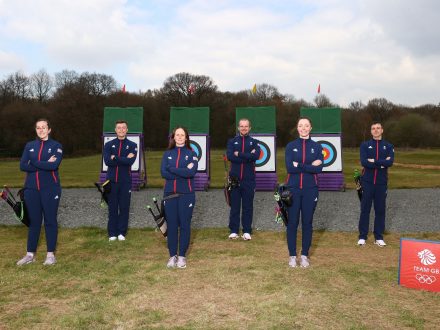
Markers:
point(331, 150)
point(135, 139)
point(198, 143)
point(266, 160)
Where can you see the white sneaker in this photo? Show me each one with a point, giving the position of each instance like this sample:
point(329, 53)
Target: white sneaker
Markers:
point(233, 236)
point(27, 259)
point(380, 243)
point(121, 237)
point(112, 238)
point(361, 242)
point(181, 262)
point(50, 260)
point(304, 263)
point(292, 262)
point(172, 262)
point(247, 236)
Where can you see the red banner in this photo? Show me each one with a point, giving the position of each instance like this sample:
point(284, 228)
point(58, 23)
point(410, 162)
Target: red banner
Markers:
point(419, 264)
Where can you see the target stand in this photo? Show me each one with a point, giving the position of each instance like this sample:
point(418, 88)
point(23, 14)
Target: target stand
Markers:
point(326, 130)
point(331, 177)
point(263, 129)
point(200, 144)
point(134, 119)
point(265, 167)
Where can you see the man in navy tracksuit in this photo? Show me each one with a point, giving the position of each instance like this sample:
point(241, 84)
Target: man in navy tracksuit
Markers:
point(376, 156)
point(242, 151)
point(304, 160)
point(119, 154)
point(178, 168)
point(40, 160)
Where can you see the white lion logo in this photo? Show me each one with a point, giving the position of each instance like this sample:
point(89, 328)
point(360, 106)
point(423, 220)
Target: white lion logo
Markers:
point(427, 257)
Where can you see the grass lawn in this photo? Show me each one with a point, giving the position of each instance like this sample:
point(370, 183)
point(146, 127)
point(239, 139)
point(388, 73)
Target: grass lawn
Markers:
point(82, 172)
point(227, 285)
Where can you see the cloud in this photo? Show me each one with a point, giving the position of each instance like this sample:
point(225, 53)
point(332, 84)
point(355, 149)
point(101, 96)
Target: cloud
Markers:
point(91, 34)
point(414, 25)
point(356, 50)
point(10, 59)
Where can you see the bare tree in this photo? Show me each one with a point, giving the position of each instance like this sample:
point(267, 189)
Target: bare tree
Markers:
point(265, 92)
point(41, 84)
point(66, 78)
point(322, 101)
point(356, 106)
point(184, 88)
point(97, 84)
point(379, 109)
point(18, 86)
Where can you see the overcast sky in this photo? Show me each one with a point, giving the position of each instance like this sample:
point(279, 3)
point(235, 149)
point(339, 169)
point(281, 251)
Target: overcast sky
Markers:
point(357, 50)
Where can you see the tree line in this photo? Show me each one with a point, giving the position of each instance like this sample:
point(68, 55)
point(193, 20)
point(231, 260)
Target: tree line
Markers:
point(74, 103)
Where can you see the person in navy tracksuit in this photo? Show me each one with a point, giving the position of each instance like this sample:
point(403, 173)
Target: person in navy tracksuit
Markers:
point(40, 160)
point(119, 154)
point(242, 151)
point(178, 168)
point(376, 156)
point(304, 160)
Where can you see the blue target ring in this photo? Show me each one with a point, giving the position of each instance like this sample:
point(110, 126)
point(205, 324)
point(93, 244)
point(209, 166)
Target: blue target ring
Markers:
point(196, 148)
point(264, 154)
point(329, 152)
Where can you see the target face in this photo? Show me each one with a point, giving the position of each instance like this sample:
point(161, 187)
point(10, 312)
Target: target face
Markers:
point(264, 154)
point(198, 143)
point(134, 138)
point(196, 148)
point(266, 160)
point(331, 150)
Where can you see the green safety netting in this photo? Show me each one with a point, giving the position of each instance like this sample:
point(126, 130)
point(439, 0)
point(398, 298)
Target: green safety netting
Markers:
point(133, 116)
point(195, 119)
point(263, 119)
point(324, 120)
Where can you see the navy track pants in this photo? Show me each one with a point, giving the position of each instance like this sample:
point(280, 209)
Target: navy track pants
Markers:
point(242, 197)
point(178, 213)
point(304, 202)
point(42, 204)
point(118, 208)
point(376, 194)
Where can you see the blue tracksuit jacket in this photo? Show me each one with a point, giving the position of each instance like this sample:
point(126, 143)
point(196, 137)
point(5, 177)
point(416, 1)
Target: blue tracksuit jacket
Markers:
point(243, 165)
point(119, 168)
point(39, 172)
point(304, 152)
point(379, 150)
point(178, 177)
